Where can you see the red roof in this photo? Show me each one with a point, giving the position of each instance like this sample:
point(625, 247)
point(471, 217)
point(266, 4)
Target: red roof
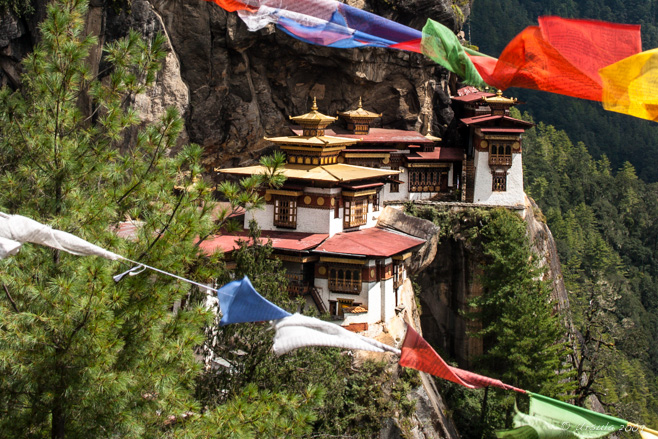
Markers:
point(472, 97)
point(503, 130)
point(467, 90)
point(280, 240)
point(369, 242)
point(376, 135)
point(476, 120)
point(440, 154)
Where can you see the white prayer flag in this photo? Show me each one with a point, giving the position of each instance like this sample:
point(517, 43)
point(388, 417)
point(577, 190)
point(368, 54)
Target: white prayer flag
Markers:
point(8, 247)
point(20, 229)
point(298, 331)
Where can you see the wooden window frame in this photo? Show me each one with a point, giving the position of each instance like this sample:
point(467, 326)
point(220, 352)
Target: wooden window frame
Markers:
point(345, 279)
point(355, 212)
point(285, 212)
point(429, 178)
point(500, 154)
point(376, 200)
point(499, 181)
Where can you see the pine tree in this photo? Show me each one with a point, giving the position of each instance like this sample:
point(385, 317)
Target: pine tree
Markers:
point(520, 329)
point(81, 356)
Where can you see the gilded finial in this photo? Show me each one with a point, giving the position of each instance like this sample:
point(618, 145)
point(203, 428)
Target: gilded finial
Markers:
point(499, 93)
point(360, 102)
point(315, 105)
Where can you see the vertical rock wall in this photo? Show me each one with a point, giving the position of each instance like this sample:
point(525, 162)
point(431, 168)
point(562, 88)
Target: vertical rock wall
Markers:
point(235, 86)
point(452, 279)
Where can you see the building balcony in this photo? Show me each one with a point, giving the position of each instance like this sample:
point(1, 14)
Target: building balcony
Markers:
point(298, 288)
point(345, 286)
point(500, 160)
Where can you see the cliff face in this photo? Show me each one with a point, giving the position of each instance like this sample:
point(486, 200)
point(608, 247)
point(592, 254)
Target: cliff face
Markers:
point(235, 87)
point(452, 279)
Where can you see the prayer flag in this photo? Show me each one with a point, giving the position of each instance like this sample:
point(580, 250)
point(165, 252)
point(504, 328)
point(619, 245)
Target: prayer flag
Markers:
point(562, 56)
point(582, 422)
point(241, 303)
point(418, 354)
point(550, 418)
point(21, 229)
point(331, 23)
point(298, 331)
point(629, 86)
point(441, 45)
point(8, 247)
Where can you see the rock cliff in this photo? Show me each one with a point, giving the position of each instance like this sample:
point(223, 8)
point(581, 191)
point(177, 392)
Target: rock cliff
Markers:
point(452, 279)
point(234, 86)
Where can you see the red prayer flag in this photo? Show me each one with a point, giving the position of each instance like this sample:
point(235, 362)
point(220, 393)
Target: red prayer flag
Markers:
point(418, 354)
point(233, 5)
point(561, 56)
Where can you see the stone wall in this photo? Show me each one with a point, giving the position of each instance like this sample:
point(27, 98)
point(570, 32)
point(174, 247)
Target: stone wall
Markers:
point(235, 86)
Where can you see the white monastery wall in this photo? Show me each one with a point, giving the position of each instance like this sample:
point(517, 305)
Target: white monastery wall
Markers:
point(312, 220)
point(264, 217)
point(483, 193)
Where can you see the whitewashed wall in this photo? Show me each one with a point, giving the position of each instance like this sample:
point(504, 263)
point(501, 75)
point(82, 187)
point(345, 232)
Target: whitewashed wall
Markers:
point(482, 189)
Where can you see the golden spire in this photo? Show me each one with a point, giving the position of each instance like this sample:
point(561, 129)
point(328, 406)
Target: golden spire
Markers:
point(313, 123)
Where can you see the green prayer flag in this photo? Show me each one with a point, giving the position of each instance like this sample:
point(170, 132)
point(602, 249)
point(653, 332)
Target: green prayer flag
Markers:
point(581, 422)
point(441, 45)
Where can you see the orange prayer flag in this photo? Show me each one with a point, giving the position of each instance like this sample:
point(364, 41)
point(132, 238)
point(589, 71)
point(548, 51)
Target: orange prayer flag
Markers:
point(561, 56)
point(233, 5)
point(529, 61)
point(590, 45)
point(418, 354)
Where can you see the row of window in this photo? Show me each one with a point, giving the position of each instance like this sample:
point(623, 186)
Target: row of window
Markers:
point(348, 279)
point(355, 211)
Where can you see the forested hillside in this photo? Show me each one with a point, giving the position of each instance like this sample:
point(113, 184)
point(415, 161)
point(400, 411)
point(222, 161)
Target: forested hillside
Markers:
point(493, 23)
point(601, 217)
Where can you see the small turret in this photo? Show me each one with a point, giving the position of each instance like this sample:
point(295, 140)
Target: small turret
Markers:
point(359, 120)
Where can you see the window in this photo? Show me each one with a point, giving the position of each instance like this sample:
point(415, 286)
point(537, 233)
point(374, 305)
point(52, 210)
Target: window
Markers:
point(285, 212)
point(375, 202)
point(355, 212)
point(425, 179)
point(398, 274)
point(395, 187)
point(499, 183)
point(345, 279)
point(500, 154)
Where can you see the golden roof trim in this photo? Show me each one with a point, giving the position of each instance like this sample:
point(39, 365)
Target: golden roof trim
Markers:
point(313, 117)
point(362, 193)
point(343, 260)
point(284, 192)
point(500, 99)
point(360, 112)
point(312, 140)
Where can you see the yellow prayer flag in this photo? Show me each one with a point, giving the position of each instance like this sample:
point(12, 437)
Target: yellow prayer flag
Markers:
point(630, 86)
point(646, 435)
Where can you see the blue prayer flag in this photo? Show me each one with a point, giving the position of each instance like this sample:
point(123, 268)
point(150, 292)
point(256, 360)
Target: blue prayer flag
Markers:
point(241, 303)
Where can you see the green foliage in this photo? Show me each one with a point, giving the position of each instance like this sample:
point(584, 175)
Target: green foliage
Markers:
point(520, 330)
point(522, 335)
point(601, 221)
point(81, 356)
point(252, 414)
point(20, 8)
